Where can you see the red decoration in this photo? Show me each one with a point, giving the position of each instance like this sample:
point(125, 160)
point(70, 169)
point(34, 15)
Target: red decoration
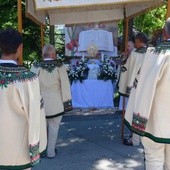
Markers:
point(73, 43)
point(70, 46)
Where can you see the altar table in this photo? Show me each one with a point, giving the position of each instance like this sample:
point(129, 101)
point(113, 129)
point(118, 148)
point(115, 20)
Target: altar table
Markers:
point(92, 94)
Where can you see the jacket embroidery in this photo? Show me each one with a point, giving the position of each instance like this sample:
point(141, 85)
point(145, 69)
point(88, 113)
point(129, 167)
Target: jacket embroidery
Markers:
point(34, 154)
point(141, 50)
point(10, 75)
point(49, 65)
point(138, 123)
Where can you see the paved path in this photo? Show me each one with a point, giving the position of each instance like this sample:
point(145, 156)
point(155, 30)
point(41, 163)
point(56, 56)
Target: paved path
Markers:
point(91, 140)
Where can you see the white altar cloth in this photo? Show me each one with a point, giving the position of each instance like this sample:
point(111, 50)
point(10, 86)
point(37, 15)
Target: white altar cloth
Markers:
point(92, 94)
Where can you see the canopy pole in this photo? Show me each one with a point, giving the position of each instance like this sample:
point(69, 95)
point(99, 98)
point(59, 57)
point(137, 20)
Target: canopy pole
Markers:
point(19, 6)
point(126, 34)
point(42, 36)
point(168, 9)
point(125, 39)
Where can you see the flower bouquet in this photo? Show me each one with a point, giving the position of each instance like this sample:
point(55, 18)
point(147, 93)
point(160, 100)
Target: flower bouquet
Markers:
point(78, 72)
point(107, 71)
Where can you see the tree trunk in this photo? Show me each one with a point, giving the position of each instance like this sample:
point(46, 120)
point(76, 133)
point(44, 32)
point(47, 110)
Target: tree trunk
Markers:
point(52, 40)
point(130, 29)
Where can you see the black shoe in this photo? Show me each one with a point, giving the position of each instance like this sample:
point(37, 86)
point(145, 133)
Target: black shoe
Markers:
point(127, 142)
point(55, 151)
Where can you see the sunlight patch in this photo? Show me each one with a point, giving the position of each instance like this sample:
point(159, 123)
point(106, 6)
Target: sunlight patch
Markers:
point(108, 164)
point(104, 164)
point(68, 142)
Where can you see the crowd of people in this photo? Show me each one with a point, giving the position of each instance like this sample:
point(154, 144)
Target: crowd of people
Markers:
point(34, 101)
point(145, 80)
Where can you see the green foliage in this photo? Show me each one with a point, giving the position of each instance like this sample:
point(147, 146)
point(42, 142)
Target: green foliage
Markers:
point(148, 22)
point(60, 41)
point(31, 31)
point(151, 21)
point(8, 17)
point(120, 28)
point(58, 37)
point(32, 40)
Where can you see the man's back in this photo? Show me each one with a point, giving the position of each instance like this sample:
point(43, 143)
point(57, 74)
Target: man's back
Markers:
point(15, 123)
point(54, 85)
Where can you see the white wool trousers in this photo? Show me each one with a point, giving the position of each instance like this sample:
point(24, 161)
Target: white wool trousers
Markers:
point(53, 127)
point(157, 155)
point(136, 139)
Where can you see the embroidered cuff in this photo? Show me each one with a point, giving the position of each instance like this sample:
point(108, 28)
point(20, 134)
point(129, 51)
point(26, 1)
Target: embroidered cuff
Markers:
point(34, 154)
point(41, 103)
point(68, 106)
point(128, 89)
point(123, 69)
point(139, 123)
point(135, 83)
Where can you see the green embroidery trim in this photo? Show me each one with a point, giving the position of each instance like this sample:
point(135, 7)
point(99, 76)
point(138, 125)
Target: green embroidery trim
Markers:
point(141, 50)
point(10, 75)
point(146, 134)
point(48, 65)
point(15, 167)
point(138, 123)
point(43, 152)
point(34, 154)
point(36, 64)
point(163, 47)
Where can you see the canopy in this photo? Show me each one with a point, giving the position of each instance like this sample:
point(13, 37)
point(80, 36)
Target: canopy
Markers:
point(85, 11)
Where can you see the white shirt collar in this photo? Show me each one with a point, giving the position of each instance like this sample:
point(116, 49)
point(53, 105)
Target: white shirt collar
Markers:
point(8, 61)
point(47, 59)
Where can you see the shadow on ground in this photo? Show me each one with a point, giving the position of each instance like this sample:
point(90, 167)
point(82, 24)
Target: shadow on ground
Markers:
point(91, 140)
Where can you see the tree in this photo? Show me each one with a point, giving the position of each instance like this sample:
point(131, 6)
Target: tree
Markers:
point(31, 31)
point(58, 39)
point(8, 17)
point(151, 21)
point(148, 22)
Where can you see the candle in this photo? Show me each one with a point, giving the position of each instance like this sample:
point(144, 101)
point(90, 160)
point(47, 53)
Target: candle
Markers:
point(102, 56)
point(83, 56)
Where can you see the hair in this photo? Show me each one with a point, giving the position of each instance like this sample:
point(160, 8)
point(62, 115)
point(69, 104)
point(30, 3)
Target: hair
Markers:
point(47, 50)
point(142, 37)
point(10, 40)
point(167, 26)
